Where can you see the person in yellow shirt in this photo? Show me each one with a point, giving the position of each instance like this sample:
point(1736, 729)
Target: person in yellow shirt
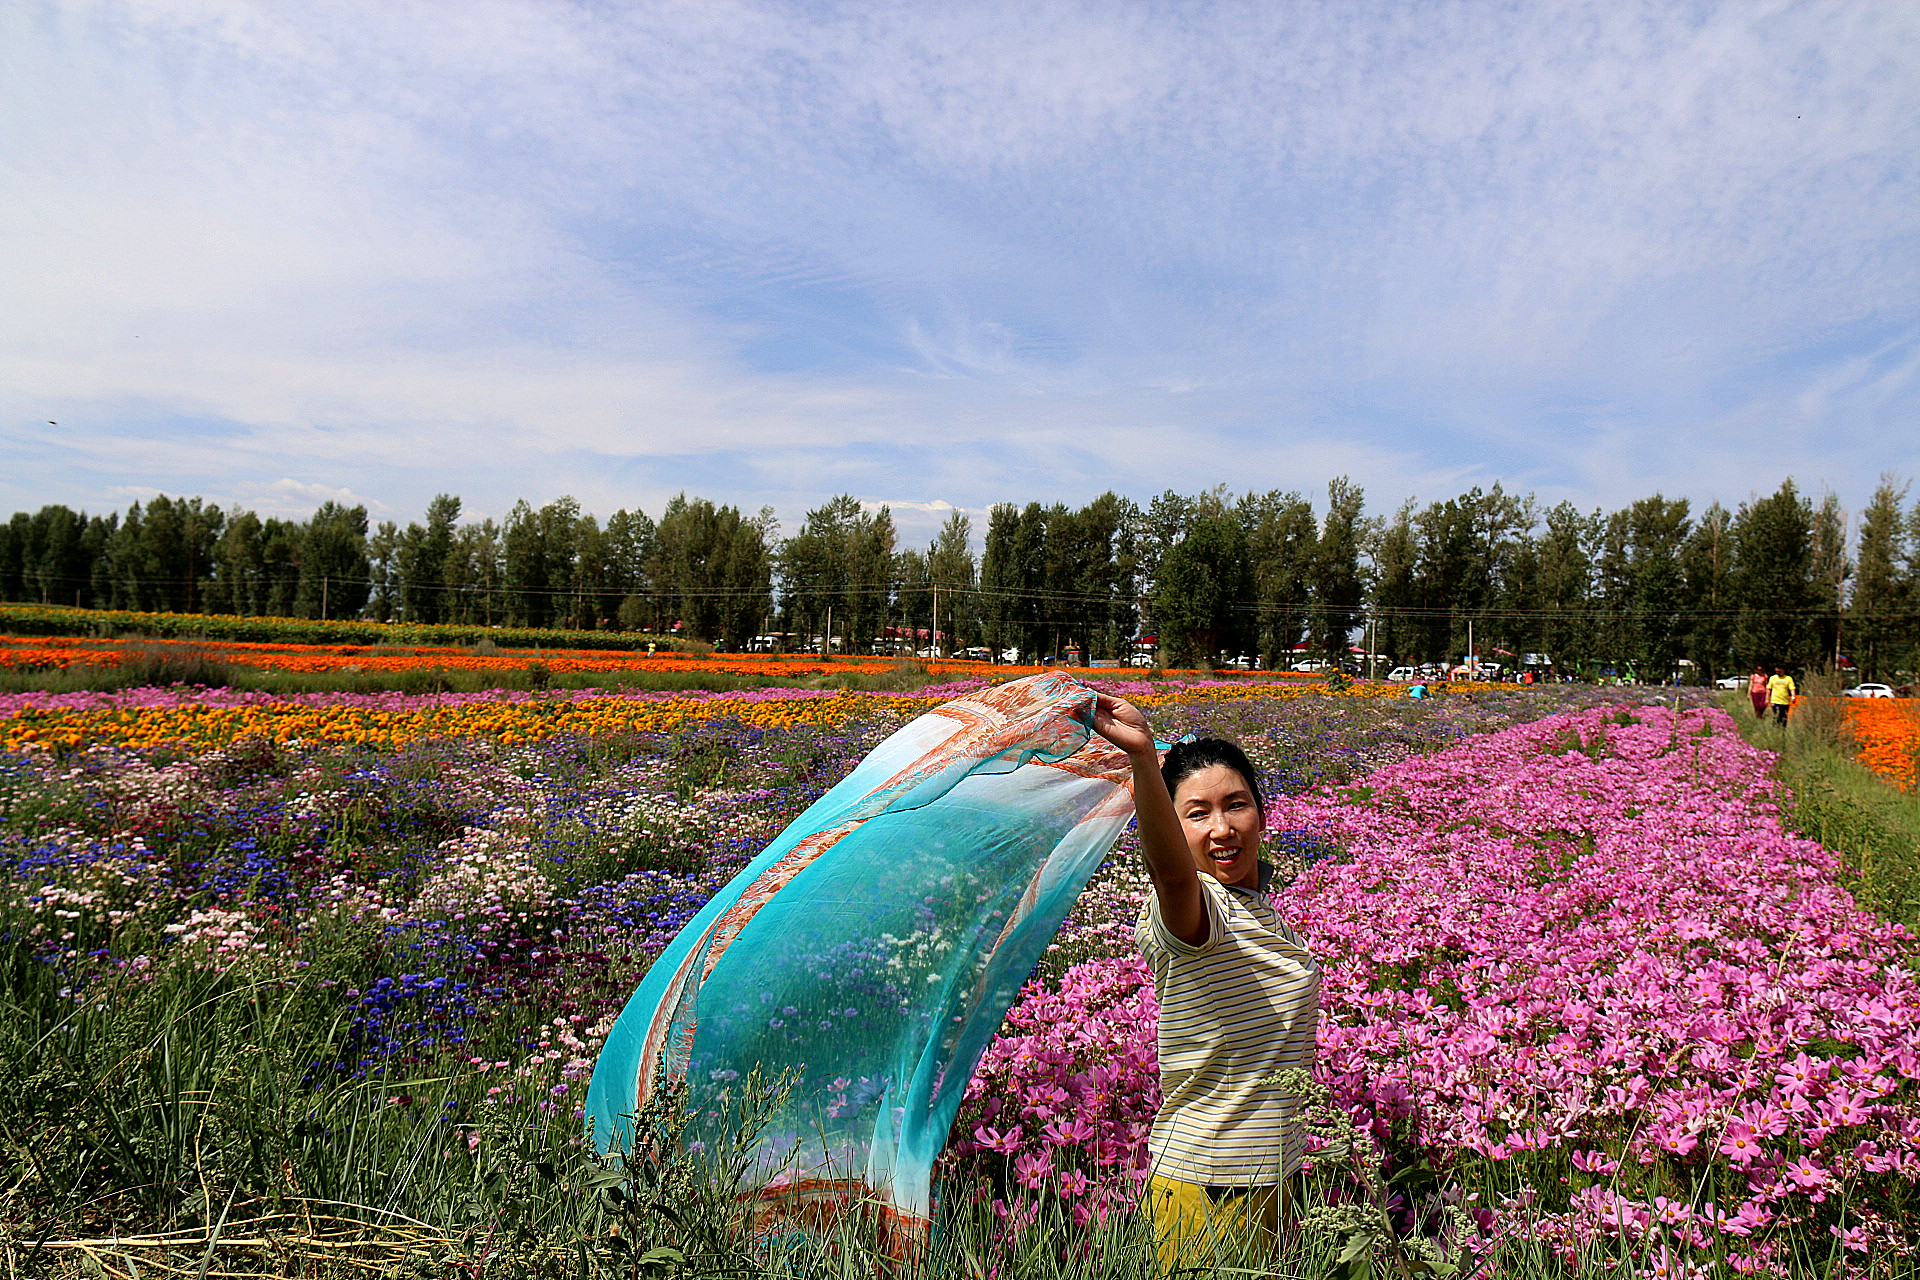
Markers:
point(1780, 691)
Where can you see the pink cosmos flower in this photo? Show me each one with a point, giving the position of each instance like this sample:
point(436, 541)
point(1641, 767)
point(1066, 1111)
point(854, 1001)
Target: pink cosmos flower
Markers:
point(1072, 1133)
point(1740, 1144)
point(1033, 1169)
point(994, 1140)
point(1671, 1212)
point(1805, 1174)
point(1802, 1075)
point(1768, 1120)
point(1843, 1108)
point(1597, 1162)
point(1674, 1140)
point(1664, 1265)
point(1857, 1239)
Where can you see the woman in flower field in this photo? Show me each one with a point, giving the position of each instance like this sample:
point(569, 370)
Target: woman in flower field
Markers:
point(1238, 996)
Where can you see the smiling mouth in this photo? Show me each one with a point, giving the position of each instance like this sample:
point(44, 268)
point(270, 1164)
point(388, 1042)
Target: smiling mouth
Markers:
point(1224, 856)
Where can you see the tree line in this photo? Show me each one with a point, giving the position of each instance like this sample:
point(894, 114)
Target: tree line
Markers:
point(1652, 589)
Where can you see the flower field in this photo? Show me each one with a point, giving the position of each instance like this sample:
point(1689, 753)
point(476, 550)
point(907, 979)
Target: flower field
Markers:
point(1573, 966)
point(1577, 957)
point(1888, 733)
point(205, 719)
point(488, 663)
point(67, 651)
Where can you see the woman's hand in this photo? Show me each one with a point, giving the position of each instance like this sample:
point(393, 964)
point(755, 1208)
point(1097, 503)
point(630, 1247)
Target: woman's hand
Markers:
point(1120, 722)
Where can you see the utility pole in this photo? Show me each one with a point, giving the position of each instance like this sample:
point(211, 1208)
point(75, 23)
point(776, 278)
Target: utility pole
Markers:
point(323, 597)
point(1473, 663)
point(935, 638)
point(826, 641)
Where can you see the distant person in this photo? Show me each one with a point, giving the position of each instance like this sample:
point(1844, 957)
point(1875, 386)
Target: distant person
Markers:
point(1780, 691)
point(1417, 691)
point(1757, 690)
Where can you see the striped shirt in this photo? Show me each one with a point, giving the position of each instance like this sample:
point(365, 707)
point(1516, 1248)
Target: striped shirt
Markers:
point(1238, 1008)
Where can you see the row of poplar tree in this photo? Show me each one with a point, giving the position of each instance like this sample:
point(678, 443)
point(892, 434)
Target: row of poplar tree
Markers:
point(1654, 589)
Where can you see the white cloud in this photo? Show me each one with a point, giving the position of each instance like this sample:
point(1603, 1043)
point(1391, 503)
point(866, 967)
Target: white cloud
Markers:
point(770, 251)
point(289, 497)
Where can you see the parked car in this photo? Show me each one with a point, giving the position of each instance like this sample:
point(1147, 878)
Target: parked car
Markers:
point(1402, 675)
point(1870, 690)
point(1730, 682)
point(975, 653)
point(1141, 660)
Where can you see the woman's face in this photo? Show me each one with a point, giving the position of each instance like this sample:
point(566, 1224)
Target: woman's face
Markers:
point(1222, 824)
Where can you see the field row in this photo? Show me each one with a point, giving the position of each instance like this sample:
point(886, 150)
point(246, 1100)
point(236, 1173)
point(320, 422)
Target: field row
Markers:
point(55, 620)
point(186, 719)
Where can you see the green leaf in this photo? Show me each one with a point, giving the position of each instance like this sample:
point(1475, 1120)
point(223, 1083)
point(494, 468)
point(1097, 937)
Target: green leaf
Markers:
point(1355, 1247)
point(606, 1176)
point(665, 1257)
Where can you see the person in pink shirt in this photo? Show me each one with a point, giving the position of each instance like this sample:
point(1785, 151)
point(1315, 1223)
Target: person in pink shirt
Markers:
point(1757, 690)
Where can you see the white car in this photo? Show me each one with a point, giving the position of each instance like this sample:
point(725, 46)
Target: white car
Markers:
point(1730, 682)
point(1870, 691)
point(1401, 675)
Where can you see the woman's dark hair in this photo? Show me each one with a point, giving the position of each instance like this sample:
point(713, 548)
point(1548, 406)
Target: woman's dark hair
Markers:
point(1186, 758)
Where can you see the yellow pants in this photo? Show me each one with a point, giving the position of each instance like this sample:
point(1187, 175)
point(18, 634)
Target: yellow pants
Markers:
point(1199, 1227)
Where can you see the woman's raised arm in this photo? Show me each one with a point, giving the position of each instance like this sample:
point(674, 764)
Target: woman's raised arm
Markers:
point(1176, 882)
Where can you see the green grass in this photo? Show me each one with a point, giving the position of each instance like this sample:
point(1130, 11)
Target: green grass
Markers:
point(1844, 805)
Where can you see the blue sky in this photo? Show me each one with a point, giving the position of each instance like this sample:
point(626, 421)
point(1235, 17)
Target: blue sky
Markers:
point(945, 255)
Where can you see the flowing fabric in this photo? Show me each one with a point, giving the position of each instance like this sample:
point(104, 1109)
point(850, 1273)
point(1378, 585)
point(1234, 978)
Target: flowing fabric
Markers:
point(871, 951)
